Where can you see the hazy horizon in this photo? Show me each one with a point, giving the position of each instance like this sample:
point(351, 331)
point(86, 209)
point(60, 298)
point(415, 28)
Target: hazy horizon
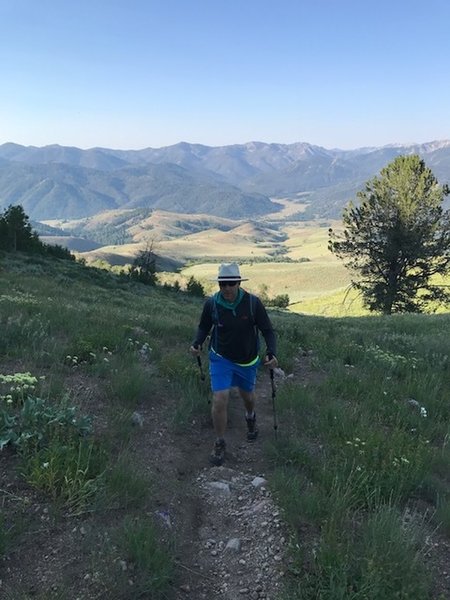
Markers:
point(149, 74)
point(393, 144)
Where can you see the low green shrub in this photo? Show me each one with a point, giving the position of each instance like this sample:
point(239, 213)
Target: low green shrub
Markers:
point(68, 471)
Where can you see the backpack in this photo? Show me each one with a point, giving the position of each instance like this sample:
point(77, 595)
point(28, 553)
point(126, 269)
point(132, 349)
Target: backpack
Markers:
point(215, 316)
point(215, 312)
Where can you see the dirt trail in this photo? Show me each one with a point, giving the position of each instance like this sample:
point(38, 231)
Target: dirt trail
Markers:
point(231, 538)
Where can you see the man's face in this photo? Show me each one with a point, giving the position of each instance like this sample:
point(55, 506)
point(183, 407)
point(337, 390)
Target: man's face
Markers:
point(229, 290)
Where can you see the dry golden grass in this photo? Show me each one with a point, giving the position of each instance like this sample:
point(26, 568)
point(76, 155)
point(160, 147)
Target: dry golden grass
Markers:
point(108, 217)
point(127, 251)
point(299, 280)
point(290, 208)
point(317, 286)
point(163, 225)
point(251, 244)
point(215, 244)
point(344, 302)
point(306, 240)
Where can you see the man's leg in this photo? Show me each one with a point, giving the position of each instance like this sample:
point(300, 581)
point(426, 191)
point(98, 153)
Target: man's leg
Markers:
point(249, 399)
point(219, 417)
point(221, 376)
point(219, 412)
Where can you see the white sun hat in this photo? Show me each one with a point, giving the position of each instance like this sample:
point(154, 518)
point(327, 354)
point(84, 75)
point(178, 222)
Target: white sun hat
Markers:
point(229, 272)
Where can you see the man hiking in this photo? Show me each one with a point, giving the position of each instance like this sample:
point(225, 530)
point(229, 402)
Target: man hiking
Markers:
point(233, 318)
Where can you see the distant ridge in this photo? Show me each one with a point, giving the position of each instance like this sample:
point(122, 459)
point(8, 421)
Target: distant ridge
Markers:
point(234, 181)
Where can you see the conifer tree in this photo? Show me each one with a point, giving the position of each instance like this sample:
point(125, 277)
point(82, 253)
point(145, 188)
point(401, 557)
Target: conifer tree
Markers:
point(15, 230)
point(194, 287)
point(397, 239)
point(143, 268)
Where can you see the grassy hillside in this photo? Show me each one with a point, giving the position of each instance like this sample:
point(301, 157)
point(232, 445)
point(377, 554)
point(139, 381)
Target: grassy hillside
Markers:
point(298, 280)
point(85, 350)
point(141, 225)
point(360, 467)
point(283, 256)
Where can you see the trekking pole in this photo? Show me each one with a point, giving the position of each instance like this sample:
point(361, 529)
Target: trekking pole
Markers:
point(202, 373)
point(274, 392)
point(199, 362)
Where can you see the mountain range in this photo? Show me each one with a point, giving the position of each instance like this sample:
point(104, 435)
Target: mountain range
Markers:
point(237, 181)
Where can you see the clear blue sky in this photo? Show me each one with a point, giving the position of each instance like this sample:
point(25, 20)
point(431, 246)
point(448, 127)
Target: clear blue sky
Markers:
point(150, 73)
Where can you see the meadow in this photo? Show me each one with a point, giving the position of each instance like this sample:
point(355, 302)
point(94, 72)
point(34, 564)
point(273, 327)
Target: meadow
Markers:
point(279, 253)
point(359, 469)
point(297, 262)
point(284, 256)
point(316, 283)
point(278, 258)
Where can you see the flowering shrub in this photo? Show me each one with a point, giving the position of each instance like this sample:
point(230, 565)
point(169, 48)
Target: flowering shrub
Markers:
point(144, 350)
point(389, 360)
point(17, 387)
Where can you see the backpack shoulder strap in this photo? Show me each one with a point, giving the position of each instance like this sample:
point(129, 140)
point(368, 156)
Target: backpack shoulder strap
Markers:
point(252, 299)
point(214, 310)
point(215, 322)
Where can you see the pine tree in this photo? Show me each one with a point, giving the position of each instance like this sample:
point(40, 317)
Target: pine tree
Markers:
point(397, 239)
point(16, 232)
point(143, 268)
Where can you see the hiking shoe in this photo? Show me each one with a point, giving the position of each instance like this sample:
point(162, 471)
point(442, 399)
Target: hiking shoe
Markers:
point(252, 429)
point(218, 454)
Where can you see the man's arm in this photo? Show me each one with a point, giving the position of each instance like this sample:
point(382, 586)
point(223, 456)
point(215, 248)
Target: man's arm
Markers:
point(204, 326)
point(264, 324)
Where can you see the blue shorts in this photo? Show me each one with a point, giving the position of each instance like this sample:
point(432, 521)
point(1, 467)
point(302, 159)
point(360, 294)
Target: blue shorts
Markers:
point(226, 374)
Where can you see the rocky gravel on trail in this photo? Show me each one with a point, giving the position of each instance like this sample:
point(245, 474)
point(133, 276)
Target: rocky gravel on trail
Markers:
point(235, 540)
point(241, 542)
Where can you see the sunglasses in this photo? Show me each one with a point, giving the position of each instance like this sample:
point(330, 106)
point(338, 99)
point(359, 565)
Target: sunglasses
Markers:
point(228, 283)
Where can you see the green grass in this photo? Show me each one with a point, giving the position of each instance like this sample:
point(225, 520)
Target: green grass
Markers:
point(124, 486)
point(363, 448)
point(5, 534)
point(82, 336)
point(363, 438)
point(152, 562)
point(67, 472)
point(380, 562)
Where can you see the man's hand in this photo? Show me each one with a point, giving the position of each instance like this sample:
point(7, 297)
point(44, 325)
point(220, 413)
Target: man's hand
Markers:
point(270, 361)
point(195, 350)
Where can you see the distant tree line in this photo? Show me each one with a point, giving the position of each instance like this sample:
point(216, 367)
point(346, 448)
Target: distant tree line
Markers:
point(16, 234)
point(105, 235)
